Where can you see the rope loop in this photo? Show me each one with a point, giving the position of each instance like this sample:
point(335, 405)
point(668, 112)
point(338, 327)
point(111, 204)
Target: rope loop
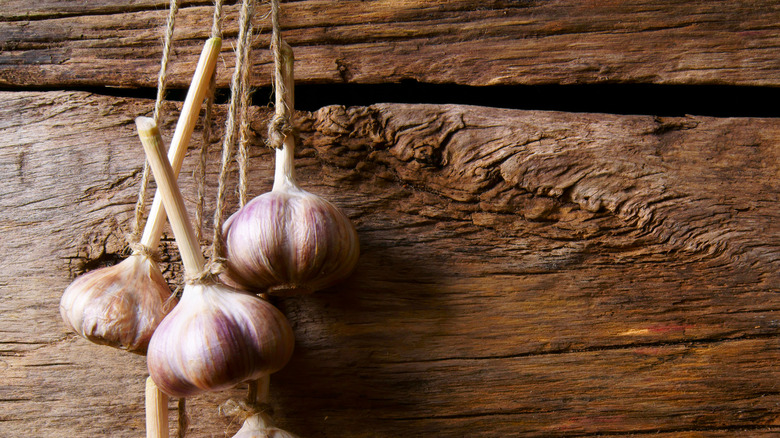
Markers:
point(280, 125)
point(139, 249)
point(278, 129)
point(215, 266)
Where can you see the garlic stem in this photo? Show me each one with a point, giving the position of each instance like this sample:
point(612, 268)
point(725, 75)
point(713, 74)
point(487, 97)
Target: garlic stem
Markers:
point(181, 136)
point(284, 174)
point(191, 256)
point(258, 390)
point(156, 411)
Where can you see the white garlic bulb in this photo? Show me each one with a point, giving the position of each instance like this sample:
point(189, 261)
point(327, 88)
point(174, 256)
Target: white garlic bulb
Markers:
point(119, 305)
point(215, 338)
point(260, 426)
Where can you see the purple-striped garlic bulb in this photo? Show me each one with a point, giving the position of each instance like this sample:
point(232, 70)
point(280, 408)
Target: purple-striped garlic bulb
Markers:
point(289, 241)
point(215, 338)
point(120, 305)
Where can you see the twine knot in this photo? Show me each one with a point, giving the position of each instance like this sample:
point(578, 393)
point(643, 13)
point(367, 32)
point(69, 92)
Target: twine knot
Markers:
point(278, 129)
point(139, 249)
point(210, 273)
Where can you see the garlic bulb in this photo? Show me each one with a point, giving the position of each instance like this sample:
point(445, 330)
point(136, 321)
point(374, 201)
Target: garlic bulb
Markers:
point(260, 426)
point(288, 241)
point(119, 305)
point(215, 338)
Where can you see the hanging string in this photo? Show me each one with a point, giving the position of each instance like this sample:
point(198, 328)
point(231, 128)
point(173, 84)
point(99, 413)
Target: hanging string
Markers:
point(216, 22)
point(279, 126)
point(247, 9)
point(243, 129)
point(206, 134)
point(162, 81)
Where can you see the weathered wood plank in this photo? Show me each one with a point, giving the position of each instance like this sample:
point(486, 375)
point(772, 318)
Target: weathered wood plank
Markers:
point(534, 273)
point(59, 43)
point(671, 388)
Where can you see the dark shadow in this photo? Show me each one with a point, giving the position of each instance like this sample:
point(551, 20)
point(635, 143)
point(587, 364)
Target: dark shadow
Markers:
point(349, 338)
point(613, 98)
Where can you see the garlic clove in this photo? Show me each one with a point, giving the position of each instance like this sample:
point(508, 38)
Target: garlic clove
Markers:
point(289, 241)
point(260, 426)
point(120, 305)
point(215, 338)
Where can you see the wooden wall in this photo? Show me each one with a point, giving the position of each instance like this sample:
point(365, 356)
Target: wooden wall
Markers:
point(523, 273)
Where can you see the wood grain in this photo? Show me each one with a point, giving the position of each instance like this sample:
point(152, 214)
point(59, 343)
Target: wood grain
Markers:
point(65, 43)
point(522, 273)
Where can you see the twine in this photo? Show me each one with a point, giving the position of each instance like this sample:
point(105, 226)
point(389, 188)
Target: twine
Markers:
point(247, 9)
point(209, 275)
point(278, 129)
point(206, 134)
point(216, 22)
point(139, 249)
point(243, 129)
point(162, 81)
point(279, 126)
point(206, 137)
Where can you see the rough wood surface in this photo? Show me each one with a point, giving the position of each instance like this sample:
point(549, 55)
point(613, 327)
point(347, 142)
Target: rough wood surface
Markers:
point(522, 273)
point(58, 43)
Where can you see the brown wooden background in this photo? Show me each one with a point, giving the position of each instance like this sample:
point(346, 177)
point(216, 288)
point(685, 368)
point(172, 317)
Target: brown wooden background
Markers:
point(523, 273)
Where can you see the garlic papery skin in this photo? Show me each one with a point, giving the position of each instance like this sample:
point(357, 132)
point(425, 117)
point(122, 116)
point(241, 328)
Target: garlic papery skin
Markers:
point(119, 305)
point(289, 241)
point(260, 426)
point(215, 338)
